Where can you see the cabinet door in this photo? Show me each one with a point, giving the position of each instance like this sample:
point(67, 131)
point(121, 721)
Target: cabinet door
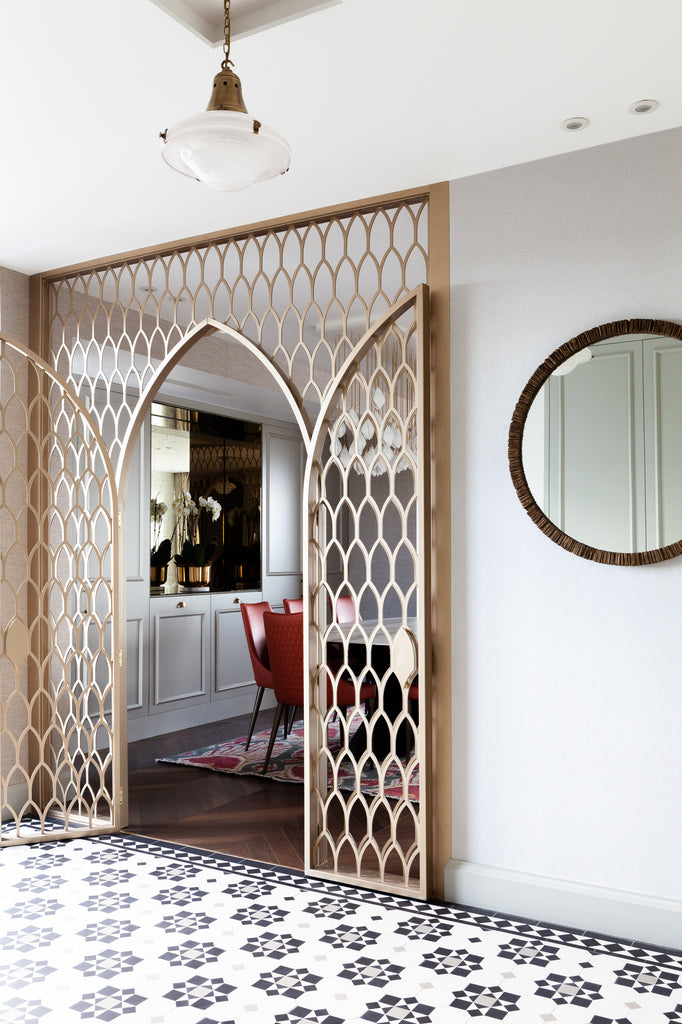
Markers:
point(595, 468)
point(282, 502)
point(180, 650)
point(232, 668)
point(137, 578)
point(662, 432)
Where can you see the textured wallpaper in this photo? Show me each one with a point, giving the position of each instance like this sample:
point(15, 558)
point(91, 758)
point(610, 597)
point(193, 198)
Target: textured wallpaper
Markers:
point(14, 304)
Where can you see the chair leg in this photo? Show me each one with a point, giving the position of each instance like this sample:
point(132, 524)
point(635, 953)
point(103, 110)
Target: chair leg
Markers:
point(273, 733)
point(290, 722)
point(254, 714)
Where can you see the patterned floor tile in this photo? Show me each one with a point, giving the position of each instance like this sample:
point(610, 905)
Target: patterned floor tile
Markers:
point(118, 928)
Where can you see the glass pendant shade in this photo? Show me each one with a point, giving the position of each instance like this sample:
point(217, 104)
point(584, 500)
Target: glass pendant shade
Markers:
point(225, 149)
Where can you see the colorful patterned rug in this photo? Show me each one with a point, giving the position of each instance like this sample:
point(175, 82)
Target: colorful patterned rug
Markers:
point(286, 763)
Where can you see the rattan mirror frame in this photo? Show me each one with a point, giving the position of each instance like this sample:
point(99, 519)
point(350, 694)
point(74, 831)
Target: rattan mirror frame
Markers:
point(518, 421)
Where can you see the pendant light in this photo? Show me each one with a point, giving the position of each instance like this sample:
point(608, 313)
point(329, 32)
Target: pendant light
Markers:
point(224, 147)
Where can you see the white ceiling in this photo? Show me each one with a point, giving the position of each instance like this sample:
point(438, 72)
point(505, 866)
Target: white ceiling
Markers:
point(373, 95)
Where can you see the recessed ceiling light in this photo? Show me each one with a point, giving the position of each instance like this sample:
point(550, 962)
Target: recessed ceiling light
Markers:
point(574, 124)
point(643, 106)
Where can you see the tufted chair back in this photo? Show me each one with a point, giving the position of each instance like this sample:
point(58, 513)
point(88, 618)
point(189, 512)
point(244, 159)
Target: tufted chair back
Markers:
point(252, 617)
point(284, 634)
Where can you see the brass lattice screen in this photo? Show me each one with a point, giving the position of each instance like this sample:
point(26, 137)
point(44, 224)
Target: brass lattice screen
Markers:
point(305, 295)
point(57, 570)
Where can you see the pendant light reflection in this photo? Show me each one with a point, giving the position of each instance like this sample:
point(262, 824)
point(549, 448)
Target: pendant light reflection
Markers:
point(223, 147)
point(577, 359)
point(352, 438)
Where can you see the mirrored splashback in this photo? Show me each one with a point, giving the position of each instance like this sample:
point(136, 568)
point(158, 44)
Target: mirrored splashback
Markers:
point(594, 445)
point(206, 479)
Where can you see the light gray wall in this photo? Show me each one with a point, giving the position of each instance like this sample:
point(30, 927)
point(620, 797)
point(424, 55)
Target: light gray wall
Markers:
point(567, 681)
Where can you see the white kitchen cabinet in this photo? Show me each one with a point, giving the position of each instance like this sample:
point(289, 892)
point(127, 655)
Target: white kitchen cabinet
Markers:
point(181, 651)
point(231, 670)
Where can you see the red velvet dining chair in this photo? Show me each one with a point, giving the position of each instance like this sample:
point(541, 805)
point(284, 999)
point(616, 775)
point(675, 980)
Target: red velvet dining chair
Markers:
point(284, 637)
point(345, 615)
point(252, 617)
point(293, 605)
point(345, 609)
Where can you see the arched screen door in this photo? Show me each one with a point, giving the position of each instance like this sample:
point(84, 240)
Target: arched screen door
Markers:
point(58, 561)
point(368, 583)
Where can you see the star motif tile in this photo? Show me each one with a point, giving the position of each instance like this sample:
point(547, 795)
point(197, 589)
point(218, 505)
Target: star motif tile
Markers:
point(272, 945)
point(486, 1001)
point(445, 960)
point(108, 1004)
point(574, 990)
point(523, 952)
point(648, 979)
point(199, 992)
point(288, 982)
point(107, 964)
point(119, 927)
point(349, 937)
point(192, 954)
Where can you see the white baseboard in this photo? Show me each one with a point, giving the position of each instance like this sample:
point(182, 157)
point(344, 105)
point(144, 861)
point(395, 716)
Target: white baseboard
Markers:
point(615, 912)
point(238, 703)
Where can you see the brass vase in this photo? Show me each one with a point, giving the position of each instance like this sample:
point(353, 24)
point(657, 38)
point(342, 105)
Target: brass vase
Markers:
point(157, 575)
point(194, 575)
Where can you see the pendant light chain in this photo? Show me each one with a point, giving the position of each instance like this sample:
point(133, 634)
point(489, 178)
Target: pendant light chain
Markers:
point(226, 44)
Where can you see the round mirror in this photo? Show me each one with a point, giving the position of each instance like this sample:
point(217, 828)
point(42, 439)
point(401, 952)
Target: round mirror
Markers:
point(595, 443)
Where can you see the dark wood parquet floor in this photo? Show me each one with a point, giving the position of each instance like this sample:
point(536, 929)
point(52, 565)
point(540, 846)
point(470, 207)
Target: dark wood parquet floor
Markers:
point(241, 815)
point(237, 814)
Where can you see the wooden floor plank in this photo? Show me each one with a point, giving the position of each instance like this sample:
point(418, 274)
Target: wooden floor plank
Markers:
point(242, 815)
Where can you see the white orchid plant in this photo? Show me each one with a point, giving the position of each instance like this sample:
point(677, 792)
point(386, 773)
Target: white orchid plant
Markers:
point(193, 551)
point(160, 553)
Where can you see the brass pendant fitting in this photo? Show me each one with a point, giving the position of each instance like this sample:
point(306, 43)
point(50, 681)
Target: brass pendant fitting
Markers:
point(227, 92)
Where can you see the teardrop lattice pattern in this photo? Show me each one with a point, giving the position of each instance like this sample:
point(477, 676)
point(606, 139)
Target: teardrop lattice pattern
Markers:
point(305, 294)
point(365, 510)
point(56, 608)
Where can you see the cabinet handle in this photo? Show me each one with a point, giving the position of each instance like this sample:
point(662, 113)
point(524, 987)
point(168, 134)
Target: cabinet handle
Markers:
point(181, 604)
point(237, 600)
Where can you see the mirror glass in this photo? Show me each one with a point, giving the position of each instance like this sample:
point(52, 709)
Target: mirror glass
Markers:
point(599, 427)
point(217, 461)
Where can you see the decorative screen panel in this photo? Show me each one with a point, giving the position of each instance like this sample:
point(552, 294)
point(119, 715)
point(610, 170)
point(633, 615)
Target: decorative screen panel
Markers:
point(369, 685)
point(57, 635)
point(305, 294)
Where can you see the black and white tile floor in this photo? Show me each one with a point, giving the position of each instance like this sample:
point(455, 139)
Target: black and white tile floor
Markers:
point(119, 927)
